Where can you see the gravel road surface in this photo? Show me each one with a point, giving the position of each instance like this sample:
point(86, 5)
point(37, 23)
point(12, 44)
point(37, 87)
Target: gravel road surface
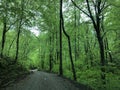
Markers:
point(44, 81)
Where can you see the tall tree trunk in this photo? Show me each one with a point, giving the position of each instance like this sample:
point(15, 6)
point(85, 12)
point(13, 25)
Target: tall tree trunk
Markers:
point(70, 53)
point(98, 5)
point(72, 64)
point(60, 67)
point(78, 36)
point(106, 44)
point(69, 45)
point(87, 48)
point(50, 62)
point(4, 29)
point(97, 25)
point(57, 50)
point(50, 54)
point(102, 56)
point(11, 45)
point(101, 46)
point(3, 36)
point(17, 46)
point(75, 38)
point(19, 31)
point(100, 41)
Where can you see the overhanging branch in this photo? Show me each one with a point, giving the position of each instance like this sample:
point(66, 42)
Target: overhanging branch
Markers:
point(80, 8)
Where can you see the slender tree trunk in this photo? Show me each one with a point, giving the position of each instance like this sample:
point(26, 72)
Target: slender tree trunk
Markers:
point(60, 67)
point(102, 52)
point(102, 56)
point(3, 36)
point(19, 31)
point(75, 25)
point(96, 20)
point(50, 62)
point(72, 64)
point(106, 44)
point(17, 45)
point(57, 52)
point(69, 45)
point(50, 54)
point(97, 27)
point(4, 29)
point(78, 36)
point(87, 48)
point(11, 45)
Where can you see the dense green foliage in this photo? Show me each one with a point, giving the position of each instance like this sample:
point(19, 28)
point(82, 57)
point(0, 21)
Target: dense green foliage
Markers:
point(29, 39)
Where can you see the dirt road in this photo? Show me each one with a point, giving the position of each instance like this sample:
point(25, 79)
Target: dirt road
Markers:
point(44, 81)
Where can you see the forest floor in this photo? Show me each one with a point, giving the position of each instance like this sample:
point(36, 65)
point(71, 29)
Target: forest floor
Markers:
point(39, 80)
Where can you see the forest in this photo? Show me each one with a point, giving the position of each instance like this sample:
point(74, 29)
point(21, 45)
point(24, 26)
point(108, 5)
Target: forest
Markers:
point(77, 39)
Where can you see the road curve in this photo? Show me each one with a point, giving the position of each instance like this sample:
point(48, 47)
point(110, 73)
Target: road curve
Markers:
point(43, 81)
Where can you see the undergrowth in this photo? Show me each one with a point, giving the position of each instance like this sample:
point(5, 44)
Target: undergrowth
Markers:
point(10, 73)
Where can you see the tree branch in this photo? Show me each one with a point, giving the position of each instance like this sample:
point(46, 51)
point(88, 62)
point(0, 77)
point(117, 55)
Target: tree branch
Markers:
point(80, 8)
point(11, 25)
point(91, 16)
point(102, 7)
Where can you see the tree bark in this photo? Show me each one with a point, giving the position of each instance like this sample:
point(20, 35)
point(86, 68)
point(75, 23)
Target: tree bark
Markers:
point(17, 45)
point(69, 45)
point(75, 38)
point(98, 7)
point(50, 54)
point(97, 23)
point(60, 33)
point(11, 45)
point(19, 31)
point(102, 56)
point(4, 29)
point(3, 36)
